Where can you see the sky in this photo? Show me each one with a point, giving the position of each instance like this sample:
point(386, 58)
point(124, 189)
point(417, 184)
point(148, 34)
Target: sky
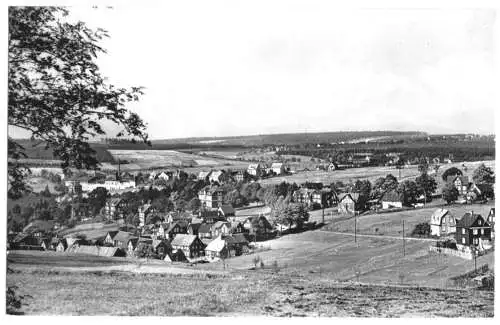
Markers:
point(226, 69)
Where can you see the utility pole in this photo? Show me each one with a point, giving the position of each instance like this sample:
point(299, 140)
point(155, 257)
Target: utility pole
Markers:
point(404, 248)
point(355, 229)
point(323, 215)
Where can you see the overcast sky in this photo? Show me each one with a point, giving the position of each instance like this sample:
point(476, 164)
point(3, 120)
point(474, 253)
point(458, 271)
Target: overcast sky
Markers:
point(227, 70)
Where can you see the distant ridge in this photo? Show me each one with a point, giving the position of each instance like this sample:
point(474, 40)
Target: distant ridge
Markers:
point(292, 138)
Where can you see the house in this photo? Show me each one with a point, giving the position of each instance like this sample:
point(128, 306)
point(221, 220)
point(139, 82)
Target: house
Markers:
point(461, 183)
point(39, 228)
point(360, 158)
point(278, 168)
point(190, 245)
point(203, 176)
point(472, 229)
point(239, 176)
point(237, 227)
point(132, 245)
point(144, 211)
point(211, 197)
point(258, 226)
point(331, 167)
point(211, 216)
point(109, 238)
point(442, 223)
point(255, 170)
point(239, 242)
point(219, 248)
point(61, 246)
point(216, 176)
point(193, 228)
point(392, 199)
point(114, 208)
point(220, 228)
point(120, 239)
point(491, 217)
point(161, 248)
point(324, 198)
point(205, 230)
point(348, 203)
point(226, 211)
point(175, 228)
point(165, 176)
point(303, 196)
point(176, 255)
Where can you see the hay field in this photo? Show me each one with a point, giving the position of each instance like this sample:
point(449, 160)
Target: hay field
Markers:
point(371, 173)
point(238, 293)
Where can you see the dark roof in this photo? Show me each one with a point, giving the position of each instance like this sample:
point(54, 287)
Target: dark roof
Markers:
point(195, 226)
point(39, 225)
point(392, 196)
point(468, 220)
point(227, 209)
point(239, 238)
point(123, 236)
point(256, 221)
point(183, 240)
point(354, 196)
point(204, 228)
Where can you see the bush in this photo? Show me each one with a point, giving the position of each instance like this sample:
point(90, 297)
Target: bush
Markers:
point(422, 229)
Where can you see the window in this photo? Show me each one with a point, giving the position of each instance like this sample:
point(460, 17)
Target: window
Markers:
point(482, 231)
point(475, 231)
point(479, 222)
point(463, 231)
point(463, 240)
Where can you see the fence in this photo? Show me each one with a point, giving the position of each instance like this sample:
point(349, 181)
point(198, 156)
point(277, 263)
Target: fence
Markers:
point(449, 251)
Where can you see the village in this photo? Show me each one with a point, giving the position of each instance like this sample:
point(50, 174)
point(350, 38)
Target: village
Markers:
point(219, 222)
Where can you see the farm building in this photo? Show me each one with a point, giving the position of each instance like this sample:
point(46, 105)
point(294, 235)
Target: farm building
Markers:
point(472, 229)
point(392, 199)
point(442, 223)
point(191, 245)
point(348, 203)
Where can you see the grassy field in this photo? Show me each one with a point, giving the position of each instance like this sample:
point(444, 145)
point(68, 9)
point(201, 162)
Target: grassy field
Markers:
point(233, 293)
point(391, 223)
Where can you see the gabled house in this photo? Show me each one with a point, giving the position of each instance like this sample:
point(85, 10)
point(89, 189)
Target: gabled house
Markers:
point(220, 228)
point(216, 176)
point(255, 170)
point(193, 228)
point(211, 197)
point(491, 217)
point(61, 246)
point(114, 208)
point(121, 239)
point(258, 225)
point(278, 168)
point(331, 167)
point(176, 228)
point(303, 196)
point(442, 223)
point(348, 203)
point(239, 176)
point(461, 183)
point(226, 211)
point(190, 245)
point(239, 242)
point(324, 198)
point(237, 227)
point(472, 229)
point(143, 212)
point(392, 199)
point(218, 248)
point(203, 175)
point(205, 230)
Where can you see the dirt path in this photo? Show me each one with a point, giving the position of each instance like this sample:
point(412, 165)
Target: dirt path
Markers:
point(379, 236)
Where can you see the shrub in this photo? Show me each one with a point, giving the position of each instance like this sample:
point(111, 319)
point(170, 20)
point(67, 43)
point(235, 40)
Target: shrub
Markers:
point(422, 229)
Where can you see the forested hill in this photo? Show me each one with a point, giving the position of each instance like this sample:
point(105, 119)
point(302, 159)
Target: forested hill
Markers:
point(294, 138)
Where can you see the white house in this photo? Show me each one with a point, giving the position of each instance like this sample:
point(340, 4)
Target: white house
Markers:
point(442, 223)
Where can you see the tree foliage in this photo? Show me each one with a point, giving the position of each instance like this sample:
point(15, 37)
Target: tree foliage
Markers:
point(483, 175)
point(453, 171)
point(450, 193)
point(56, 91)
point(426, 185)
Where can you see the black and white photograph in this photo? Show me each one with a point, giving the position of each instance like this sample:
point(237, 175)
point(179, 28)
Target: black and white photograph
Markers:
point(278, 159)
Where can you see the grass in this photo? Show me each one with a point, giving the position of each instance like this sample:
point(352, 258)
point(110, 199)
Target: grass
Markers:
point(390, 224)
point(240, 293)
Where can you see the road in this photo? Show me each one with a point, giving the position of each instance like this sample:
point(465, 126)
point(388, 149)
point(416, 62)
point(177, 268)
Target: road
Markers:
point(379, 236)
